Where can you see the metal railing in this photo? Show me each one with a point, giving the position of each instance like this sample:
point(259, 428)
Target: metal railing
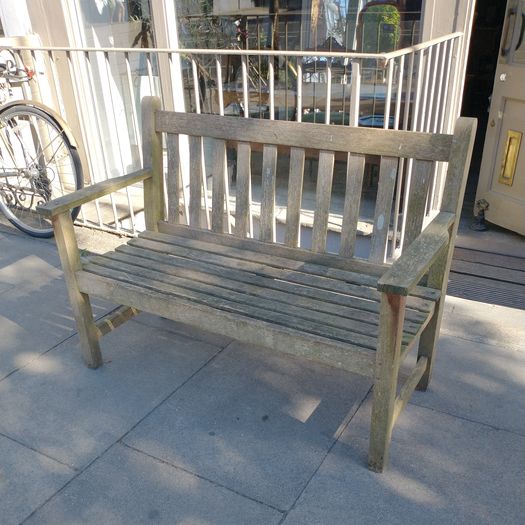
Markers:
point(98, 91)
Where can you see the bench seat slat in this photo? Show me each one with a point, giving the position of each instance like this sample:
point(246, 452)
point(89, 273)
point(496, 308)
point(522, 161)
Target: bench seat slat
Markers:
point(317, 310)
point(310, 274)
point(278, 250)
point(231, 302)
point(239, 327)
point(345, 305)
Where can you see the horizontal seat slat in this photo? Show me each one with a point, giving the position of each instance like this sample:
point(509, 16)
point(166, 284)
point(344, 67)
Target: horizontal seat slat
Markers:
point(353, 307)
point(239, 327)
point(296, 254)
point(368, 141)
point(187, 248)
point(259, 309)
point(354, 319)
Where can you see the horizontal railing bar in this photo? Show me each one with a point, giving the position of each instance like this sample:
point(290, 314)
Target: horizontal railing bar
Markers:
point(241, 52)
point(423, 45)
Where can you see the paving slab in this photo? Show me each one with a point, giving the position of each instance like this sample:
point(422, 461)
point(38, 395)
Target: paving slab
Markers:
point(60, 407)
point(481, 382)
point(128, 487)
point(253, 420)
point(27, 480)
point(484, 323)
point(34, 308)
point(442, 470)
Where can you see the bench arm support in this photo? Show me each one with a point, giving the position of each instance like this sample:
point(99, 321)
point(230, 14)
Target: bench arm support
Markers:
point(417, 259)
point(89, 193)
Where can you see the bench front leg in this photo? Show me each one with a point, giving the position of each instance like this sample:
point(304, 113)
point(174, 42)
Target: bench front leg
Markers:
point(392, 316)
point(70, 259)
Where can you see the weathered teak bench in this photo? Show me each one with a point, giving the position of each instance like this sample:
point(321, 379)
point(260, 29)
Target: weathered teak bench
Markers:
point(360, 315)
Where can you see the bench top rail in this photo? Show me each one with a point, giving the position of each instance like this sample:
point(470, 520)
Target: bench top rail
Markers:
point(408, 167)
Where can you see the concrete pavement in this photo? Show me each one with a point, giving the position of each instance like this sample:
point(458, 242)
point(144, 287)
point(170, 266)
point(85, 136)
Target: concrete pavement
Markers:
point(181, 426)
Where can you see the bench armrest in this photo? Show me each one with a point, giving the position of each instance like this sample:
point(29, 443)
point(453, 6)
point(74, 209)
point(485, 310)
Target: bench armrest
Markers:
point(89, 193)
point(416, 260)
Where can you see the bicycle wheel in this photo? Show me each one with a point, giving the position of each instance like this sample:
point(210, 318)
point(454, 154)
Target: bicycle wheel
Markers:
point(37, 164)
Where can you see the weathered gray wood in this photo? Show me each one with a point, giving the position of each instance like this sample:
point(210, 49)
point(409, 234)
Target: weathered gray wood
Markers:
point(383, 208)
point(295, 195)
point(407, 271)
point(422, 172)
point(243, 194)
point(283, 269)
point(269, 175)
point(408, 144)
point(219, 178)
point(454, 192)
point(90, 193)
point(256, 306)
point(115, 318)
point(173, 179)
point(278, 250)
point(408, 388)
point(195, 182)
point(385, 379)
point(323, 195)
point(80, 304)
point(347, 305)
point(152, 159)
point(241, 328)
point(354, 181)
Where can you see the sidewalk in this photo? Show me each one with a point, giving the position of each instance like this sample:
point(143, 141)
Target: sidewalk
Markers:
point(180, 426)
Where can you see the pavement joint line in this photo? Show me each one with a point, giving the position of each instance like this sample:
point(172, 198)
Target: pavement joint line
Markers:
point(342, 428)
point(464, 418)
point(29, 447)
point(200, 476)
point(56, 345)
point(119, 439)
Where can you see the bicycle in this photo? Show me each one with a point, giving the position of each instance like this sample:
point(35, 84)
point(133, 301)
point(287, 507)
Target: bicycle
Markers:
point(39, 160)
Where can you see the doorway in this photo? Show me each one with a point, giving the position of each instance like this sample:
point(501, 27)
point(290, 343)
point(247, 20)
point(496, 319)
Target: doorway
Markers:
point(481, 68)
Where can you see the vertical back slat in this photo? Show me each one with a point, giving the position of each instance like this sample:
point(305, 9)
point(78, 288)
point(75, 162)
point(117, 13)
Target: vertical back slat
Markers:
point(325, 175)
point(195, 181)
point(220, 172)
point(422, 172)
point(206, 199)
point(295, 195)
point(173, 179)
point(243, 191)
point(385, 194)
point(269, 170)
point(354, 181)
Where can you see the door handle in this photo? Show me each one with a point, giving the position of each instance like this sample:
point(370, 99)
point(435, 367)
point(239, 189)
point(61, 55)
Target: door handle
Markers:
point(506, 48)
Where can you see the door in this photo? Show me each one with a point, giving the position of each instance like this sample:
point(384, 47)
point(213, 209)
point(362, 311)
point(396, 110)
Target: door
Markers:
point(502, 175)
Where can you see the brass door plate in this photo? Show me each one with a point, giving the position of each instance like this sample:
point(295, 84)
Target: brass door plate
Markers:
point(510, 157)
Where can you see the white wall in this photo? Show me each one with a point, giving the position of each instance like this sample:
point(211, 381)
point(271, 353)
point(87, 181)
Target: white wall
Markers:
point(14, 17)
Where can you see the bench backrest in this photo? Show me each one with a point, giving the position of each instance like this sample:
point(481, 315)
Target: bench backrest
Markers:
point(397, 150)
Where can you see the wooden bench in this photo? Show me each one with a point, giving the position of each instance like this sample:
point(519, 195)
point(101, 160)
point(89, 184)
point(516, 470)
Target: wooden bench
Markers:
point(359, 315)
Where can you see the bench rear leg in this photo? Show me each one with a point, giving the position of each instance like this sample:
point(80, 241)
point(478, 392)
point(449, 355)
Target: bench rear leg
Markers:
point(437, 278)
point(80, 304)
point(385, 379)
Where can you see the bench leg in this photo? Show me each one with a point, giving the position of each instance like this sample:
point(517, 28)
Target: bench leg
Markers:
point(430, 335)
point(70, 259)
point(385, 379)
